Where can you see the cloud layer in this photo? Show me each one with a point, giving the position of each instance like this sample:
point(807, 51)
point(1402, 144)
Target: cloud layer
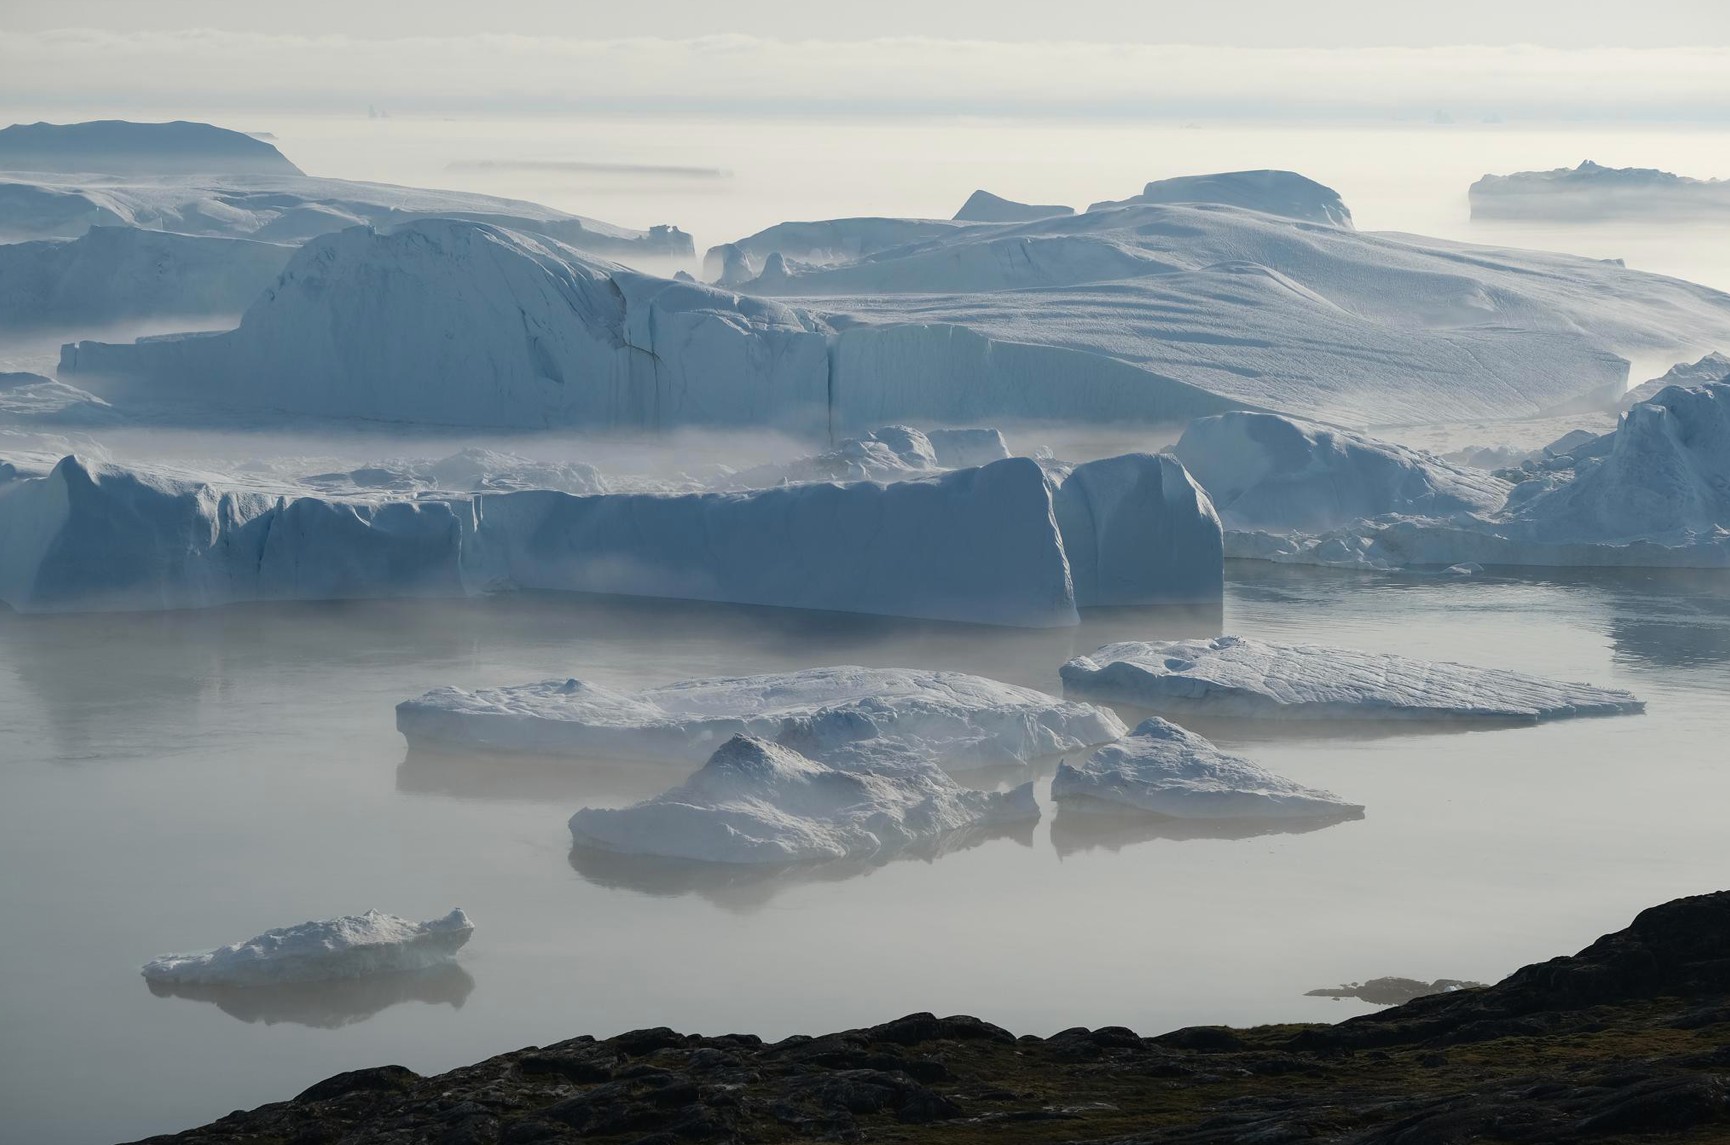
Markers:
point(739, 74)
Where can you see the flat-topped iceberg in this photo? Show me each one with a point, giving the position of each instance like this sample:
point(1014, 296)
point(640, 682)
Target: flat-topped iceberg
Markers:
point(1267, 472)
point(954, 720)
point(758, 802)
point(1236, 677)
point(1162, 769)
point(1284, 193)
point(122, 147)
point(352, 946)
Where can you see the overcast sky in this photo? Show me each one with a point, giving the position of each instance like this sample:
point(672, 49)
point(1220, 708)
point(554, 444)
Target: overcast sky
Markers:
point(1257, 23)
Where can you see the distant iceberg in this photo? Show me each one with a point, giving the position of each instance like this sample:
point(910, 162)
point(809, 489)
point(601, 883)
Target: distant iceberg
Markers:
point(1236, 677)
point(1712, 367)
point(757, 802)
point(120, 147)
point(950, 719)
point(1162, 769)
point(1283, 193)
point(352, 946)
point(1592, 191)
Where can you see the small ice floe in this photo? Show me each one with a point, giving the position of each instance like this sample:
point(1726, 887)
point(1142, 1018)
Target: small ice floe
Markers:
point(1162, 769)
point(353, 946)
point(757, 802)
point(958, 721)
point(1235, 677)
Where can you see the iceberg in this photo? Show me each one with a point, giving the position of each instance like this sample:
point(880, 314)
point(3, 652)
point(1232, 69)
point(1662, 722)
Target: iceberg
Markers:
point(1593, 192)
point(352, 946)
point(115, 274)
point(120, 147)
point(984, 207)
point(1279, 474)
point(821, 243)
point(951, 719)
point(1650, 493)
point(1236, 677)
point(890, 453)
point(1283, 193)
point(757, 802)
point(1162, 769)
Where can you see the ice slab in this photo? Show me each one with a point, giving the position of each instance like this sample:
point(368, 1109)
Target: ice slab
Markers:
point(957, 721)
point(1162, 769)
point(352, 946)
point(1279, 474)
point(1237, 677)
point(757, 802)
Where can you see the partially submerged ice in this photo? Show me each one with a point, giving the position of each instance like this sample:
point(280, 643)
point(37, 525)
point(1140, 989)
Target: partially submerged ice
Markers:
point(1162, 769)
point(352, 946)
point(1236, 677)
point(954, 720)
point(758, 802)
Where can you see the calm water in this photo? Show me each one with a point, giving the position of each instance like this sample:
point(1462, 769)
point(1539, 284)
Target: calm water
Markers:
point(172, 782)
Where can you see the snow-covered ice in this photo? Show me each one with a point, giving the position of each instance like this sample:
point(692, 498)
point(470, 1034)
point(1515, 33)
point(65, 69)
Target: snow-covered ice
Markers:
point(1278, 474)
point(352, 946)
point(757, 802)
point(957, 721)
point(1712, 367)
point(1236, 677)
point(1162, 769)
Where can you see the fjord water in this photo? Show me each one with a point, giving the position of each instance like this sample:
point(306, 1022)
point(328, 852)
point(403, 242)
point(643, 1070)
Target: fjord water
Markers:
point(176, 781)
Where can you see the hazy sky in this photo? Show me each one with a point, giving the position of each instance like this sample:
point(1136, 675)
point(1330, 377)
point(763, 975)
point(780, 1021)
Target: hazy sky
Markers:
point(1260, 23)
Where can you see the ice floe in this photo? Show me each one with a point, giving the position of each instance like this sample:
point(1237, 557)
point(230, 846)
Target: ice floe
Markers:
point(352, 946)
point(757, 802)
point(1162, 769)
point(954, 720)
point(1236, 677)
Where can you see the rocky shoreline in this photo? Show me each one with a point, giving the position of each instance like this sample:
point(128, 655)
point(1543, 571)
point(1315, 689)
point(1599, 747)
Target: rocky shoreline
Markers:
point(1628, 1040)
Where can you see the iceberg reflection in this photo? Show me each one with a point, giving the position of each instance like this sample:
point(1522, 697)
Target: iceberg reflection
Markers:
point(331, 1004)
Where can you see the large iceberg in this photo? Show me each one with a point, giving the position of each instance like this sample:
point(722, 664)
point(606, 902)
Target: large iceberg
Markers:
point(1592, 191)
point(352, 946)
point(1713, 367)
point(757, 802)
point(120, 147)
point(957, 721)
point(1267, 472)
point(114, 274)
point(1146, 313)
point(983, 545)
point(1283, 193)
point(1162, 769)
point(889, 453)
point(1236, 677)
